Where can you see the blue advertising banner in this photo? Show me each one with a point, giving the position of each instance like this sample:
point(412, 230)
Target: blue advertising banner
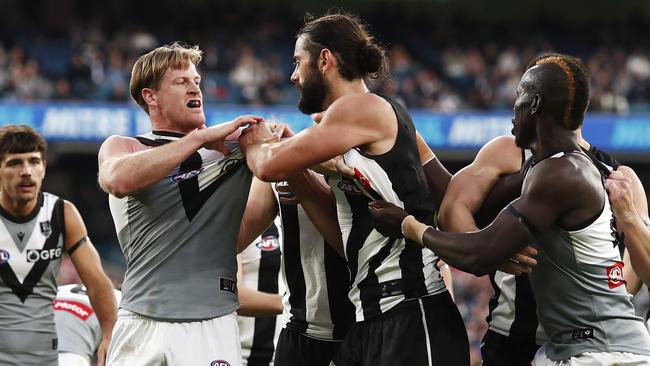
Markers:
point(93, 122)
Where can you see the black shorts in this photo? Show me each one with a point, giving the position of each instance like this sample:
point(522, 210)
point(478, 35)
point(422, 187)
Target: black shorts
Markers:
point(296, 349)
point(420, 332)
point(499, 350)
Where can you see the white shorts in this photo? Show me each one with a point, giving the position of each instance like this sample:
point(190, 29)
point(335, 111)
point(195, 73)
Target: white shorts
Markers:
point(593, 359)
point(72, 359)
point(142, 341)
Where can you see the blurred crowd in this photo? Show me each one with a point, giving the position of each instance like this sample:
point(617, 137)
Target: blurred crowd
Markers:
point(253, 66)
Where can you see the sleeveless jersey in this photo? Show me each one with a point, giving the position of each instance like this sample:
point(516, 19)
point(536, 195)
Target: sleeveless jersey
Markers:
point(513, 307)
point(386, 271)
point(316, 302)
point(582, 302)
point(30, 257)
point(261, 271)
point(179, 236)
point(77, 326)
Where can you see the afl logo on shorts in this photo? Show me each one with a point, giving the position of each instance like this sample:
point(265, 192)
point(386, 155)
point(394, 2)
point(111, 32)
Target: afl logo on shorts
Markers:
point(615, 275)
point(219, 363)
point(349, 187)
point(268, 244)
point(4, 256)
point(186, 175)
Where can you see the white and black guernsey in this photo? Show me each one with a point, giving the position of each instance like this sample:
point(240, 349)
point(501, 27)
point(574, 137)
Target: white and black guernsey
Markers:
point(512, 309)
point(30, 256)
point(179, 236)
point(316, 300)
point(582, 266)
point(260, 264)
point(386, 271)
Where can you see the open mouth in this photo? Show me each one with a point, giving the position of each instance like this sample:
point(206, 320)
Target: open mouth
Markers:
point(194, 103)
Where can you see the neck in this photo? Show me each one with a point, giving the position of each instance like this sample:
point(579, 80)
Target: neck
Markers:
point(553, 138)
point(342, 87)
point(581, 141)
point(159, 123)
point(17, 208)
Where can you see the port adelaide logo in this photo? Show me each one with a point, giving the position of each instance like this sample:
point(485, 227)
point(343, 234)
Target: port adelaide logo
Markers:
point(4, 256)
point(46, 228)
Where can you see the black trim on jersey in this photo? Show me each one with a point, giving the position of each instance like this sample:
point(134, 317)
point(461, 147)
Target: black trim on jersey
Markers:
point(337, 278)
point(264, 328)
point(30, 216)
point(168, 133)
point(524, 326)
point(23, 290)
point(192, 197)
point(76, 245)
point(153, 143)
point(293, 267)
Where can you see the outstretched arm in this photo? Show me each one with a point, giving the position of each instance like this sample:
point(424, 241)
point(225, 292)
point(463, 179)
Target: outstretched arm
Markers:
point(353, 120)
point(556, 188)
point(89, 267)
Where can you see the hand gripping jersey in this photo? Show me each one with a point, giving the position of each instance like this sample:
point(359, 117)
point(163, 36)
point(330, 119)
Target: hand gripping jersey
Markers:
point(179, 236)
point(386, 271)
point(77, 326)
point(30, 257)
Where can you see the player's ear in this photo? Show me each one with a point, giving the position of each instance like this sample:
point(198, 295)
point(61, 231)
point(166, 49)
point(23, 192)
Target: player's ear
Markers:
point(536, 104)
point(325, 60)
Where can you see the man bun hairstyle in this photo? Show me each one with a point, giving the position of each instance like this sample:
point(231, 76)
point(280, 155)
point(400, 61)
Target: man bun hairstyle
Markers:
point(358, 53)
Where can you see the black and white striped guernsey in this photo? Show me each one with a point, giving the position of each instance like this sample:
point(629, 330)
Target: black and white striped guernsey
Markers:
point(386, 271)
point(260, 265)
point(317, 280)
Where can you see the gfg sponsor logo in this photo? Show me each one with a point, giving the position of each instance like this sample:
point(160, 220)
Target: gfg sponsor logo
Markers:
point(34, 255)
point(219, 363)
point(4, 256)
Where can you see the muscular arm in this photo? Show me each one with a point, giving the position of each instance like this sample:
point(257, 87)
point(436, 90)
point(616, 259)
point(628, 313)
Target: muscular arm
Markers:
point(261, 209)
point(469, 187)
point(556, 190)
point(126, 166)
point(88, 265)
point(358, 120)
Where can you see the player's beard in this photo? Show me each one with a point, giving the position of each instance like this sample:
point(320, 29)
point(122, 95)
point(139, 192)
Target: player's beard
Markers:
point(312, 93)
